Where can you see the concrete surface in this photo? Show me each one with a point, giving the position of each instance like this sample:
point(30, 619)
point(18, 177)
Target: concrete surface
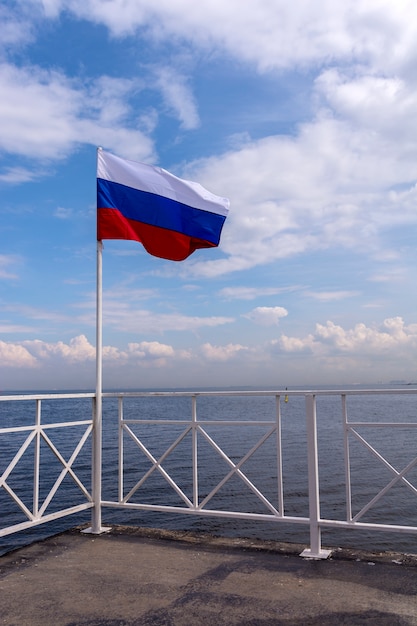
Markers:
point(147, 577)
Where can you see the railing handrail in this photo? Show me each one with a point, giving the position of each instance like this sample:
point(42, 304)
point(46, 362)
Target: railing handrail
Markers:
point(46, 396)
point(261, 392)
point(199, 392)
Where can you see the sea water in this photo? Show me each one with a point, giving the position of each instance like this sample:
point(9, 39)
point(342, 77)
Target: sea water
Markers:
point(369, 474)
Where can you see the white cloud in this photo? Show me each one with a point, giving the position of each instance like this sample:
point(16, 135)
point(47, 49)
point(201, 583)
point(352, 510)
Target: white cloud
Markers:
point(326, 187)
point(250, 293)
point(178, 96)
point(125, 318)
point(267, 315)
point(16, 28)
point(124, 315)
point(152, 349)
point(77, 350)
point(221, 353)
point(16, 175)
point(294, 344)
point(6, 327)
point(379, 102)
point(63, 113)
point(51, 8)
point(396, 328)
point(114, 355)
point(121, 311)
point(339, 354)
point(271, 35)
point(328, 296)
point(153, 354)
point(391, 338)
point(12, 355)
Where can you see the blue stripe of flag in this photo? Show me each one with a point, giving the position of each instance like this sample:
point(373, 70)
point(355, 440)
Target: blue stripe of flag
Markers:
point(159, 211)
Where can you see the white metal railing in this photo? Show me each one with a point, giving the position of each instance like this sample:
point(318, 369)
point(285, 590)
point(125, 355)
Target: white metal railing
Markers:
point(27, 455)
point(192, 432)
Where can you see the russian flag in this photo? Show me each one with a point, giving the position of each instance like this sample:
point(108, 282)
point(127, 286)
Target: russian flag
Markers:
point(171, 217)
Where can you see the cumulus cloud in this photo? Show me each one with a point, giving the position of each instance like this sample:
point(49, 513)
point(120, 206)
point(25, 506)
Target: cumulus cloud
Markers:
point(371, 351)
point(78, 350)
point(152, 349)
point(71, 364)
point(295, 344)
point(393, 336)
point(266, 315)
point(12, 355)
point(221, 353)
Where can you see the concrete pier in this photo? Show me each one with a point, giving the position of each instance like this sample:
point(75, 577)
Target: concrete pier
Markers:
point(132, 577)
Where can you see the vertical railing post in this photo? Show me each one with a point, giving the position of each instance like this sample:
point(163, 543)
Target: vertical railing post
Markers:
point(36, 469)
point(97, 443)
point(96, 469)
point(347, 459)
point(195, 454)
point(279, 455)
point(96, 528)
point(121, 461)
point(315, 551)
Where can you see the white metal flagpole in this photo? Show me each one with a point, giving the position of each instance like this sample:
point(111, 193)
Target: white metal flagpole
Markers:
point(96, 527)
point(97, 428)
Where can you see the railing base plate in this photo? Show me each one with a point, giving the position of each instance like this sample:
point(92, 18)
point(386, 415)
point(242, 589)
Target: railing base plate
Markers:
point(309, 554)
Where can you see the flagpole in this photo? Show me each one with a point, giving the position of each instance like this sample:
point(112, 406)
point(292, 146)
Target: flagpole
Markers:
point(97, 428)
point(97, 437)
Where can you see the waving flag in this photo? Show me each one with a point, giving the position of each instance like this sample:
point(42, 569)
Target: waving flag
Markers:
point(171, 217)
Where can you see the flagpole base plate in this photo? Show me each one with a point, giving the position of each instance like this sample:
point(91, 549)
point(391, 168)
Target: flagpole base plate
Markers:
point(309, 554)
point(100, 531)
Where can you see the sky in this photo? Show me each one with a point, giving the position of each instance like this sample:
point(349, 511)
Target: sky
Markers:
point(302, 113)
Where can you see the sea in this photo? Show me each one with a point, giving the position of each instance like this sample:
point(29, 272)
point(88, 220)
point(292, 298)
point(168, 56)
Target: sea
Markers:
point(395, 448)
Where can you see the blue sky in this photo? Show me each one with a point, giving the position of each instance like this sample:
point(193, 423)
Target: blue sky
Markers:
point(302, 114)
